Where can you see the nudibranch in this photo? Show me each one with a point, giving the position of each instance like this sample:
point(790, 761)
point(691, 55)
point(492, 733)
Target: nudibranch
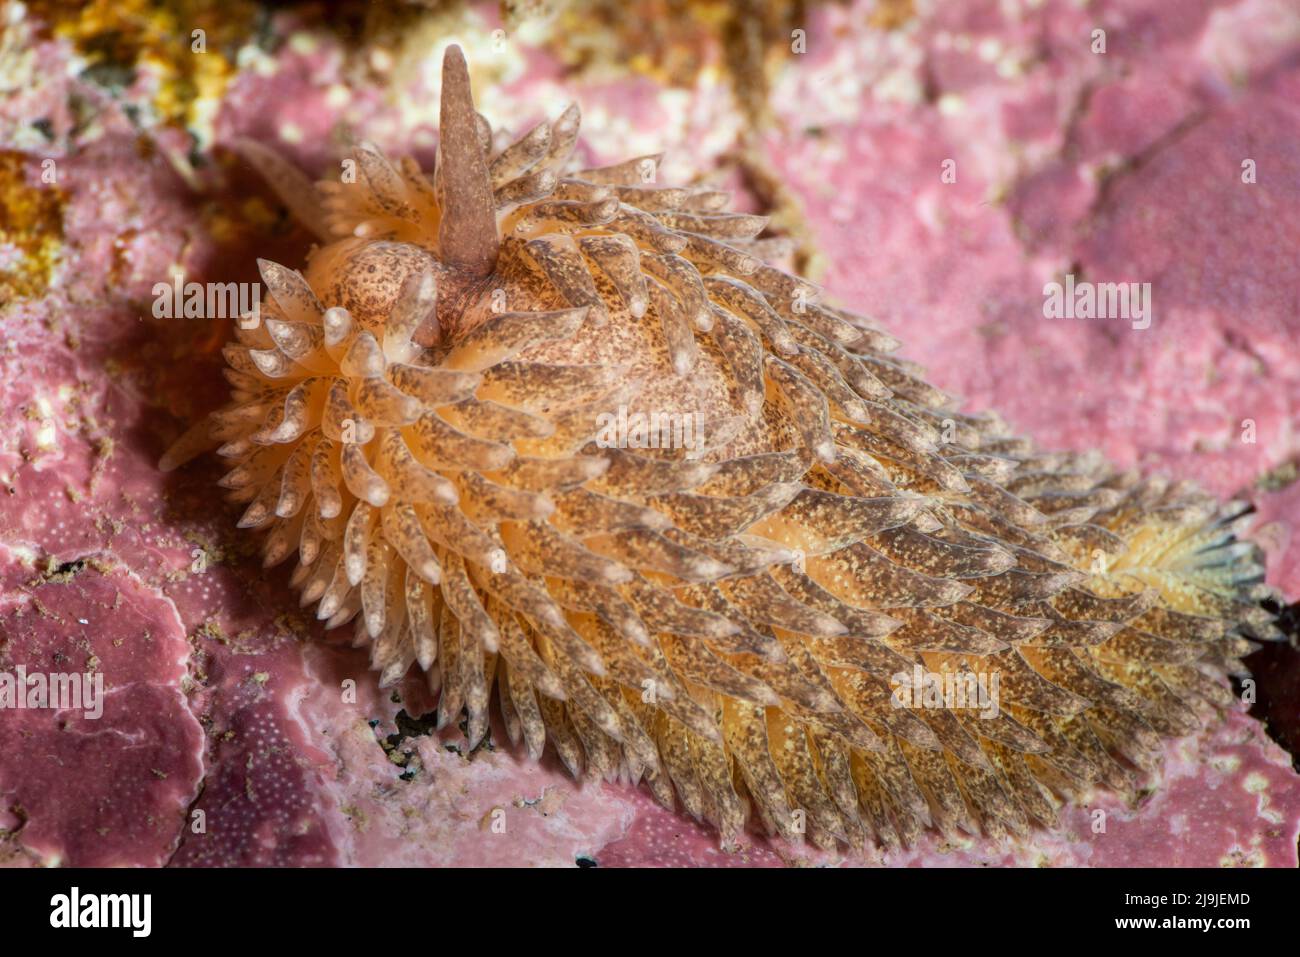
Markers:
point(771, 615)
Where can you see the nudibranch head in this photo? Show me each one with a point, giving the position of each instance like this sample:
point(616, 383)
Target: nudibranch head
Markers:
point(564, 440)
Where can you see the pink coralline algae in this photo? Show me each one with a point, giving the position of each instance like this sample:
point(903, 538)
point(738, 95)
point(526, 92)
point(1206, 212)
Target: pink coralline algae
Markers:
point(226, 739)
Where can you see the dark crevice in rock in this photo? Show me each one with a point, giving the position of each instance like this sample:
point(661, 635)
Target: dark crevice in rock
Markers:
point(187, 821)
point(1276, 670)
point(1131, 165)
point(408, 727)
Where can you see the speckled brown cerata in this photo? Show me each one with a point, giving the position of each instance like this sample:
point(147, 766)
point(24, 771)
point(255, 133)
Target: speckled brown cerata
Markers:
point(565, 441)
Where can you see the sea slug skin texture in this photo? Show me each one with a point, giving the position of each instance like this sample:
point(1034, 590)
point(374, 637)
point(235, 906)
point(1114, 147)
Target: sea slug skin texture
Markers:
point(421, 420)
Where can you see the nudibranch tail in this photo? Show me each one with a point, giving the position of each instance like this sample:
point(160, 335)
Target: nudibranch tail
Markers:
point(820, 597)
